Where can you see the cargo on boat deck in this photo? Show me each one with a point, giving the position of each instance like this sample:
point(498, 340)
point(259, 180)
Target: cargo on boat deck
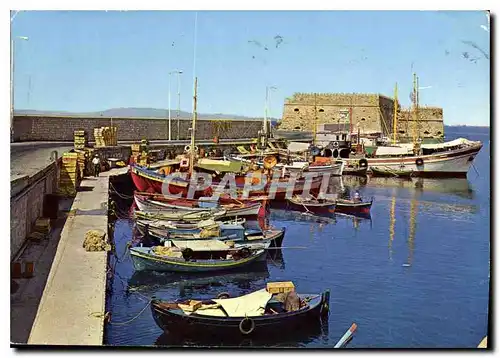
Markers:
point(280, 287)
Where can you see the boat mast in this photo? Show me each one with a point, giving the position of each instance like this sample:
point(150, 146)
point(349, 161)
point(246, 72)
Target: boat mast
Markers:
point(193, 128)
point(315, 120)
point(395, 119)
point(264, 125)
point(415, 108)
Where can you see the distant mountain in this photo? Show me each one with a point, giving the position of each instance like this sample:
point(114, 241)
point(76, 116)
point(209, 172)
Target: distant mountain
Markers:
point(134, 112)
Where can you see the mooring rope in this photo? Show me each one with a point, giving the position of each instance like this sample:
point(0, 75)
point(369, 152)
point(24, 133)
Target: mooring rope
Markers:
point(123, 196)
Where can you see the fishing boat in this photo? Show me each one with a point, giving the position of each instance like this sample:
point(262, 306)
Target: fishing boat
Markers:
point(257, 313)
point(146, 180)
point(312, 205)
point(388, 172)
point(352, 170)
point(194, 256)
point(186, 226)
point(181, 215)
point(353, 207)
point(448, 159)
point(235, 233)
point(159, 203)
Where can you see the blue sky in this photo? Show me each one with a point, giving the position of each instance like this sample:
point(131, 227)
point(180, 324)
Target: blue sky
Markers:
point(94, 60)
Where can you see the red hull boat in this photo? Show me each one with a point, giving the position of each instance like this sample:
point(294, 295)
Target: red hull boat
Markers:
point(148, 181)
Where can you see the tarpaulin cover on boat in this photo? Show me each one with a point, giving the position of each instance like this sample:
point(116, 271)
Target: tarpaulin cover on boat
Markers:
point(251, 305)
point(383, 151)
point(453, 143)
point(296, 147)
point(201, 245)
point(219, 165)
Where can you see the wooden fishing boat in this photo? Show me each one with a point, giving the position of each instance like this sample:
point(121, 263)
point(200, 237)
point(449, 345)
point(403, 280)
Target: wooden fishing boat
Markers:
point(255, 314)
point(352, 206)
point(178, 215)
point(196, 256)
point(388, 172)
point(312, 205)
point(226, 232)
point(186, 226)
point(355, 171)
point(146, 180)
point(159, 203)
point(446, 160)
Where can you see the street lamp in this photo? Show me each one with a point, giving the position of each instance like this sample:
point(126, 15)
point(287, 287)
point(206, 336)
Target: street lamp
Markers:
point(12, 84)
point(266, 107)
point(177, 72)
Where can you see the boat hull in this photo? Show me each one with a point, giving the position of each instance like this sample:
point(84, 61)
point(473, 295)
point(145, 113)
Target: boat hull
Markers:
point(144, 261)
point(453, 163)
point(247, 209)
point(150, 182)
point(170, 320)
point(362, 208)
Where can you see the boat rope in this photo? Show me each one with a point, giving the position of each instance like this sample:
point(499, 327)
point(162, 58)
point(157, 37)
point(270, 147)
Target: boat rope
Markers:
point(107, 316)
point(475, 169)
point(123, 196)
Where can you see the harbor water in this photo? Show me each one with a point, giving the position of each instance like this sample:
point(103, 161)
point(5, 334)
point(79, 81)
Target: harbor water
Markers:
point(415, 275)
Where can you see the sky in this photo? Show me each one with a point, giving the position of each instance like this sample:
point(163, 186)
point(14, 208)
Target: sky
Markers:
point(85, 61)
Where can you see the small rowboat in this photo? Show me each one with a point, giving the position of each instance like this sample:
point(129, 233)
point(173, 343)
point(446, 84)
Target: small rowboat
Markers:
point(355, 171)
point(225, 232)
point(353, 207)
point(179, 215)
point(159, 204)
point(259, 313)
point(178, 226)
point(388, 172)
point(213, 257)
point(312, 205)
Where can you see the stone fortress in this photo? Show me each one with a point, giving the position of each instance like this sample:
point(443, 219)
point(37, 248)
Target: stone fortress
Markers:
point(371, 114)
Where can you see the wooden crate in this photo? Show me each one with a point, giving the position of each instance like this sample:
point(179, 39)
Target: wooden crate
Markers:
point(280, 287)
point(42, 225)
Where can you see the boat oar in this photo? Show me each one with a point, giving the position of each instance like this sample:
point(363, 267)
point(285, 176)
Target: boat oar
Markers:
point(346, 336)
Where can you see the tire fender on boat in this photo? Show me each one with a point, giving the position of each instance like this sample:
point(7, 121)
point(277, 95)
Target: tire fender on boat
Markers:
point(363, 163)
point(223, 295)
point(419, 162)
point(250, 329)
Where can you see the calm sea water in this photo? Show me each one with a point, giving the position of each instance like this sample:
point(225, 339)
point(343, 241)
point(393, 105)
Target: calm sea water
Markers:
point(415, 275)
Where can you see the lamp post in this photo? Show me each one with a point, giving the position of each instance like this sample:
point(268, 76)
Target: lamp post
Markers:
point(266, 107)
point(12, 84)
point(177, 72)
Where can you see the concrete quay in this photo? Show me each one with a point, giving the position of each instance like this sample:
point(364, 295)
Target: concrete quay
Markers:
point(72, 308)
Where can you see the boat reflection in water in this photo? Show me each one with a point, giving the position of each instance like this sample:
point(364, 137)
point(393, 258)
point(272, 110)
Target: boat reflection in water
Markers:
point(283, 212)
point(456, 186)
point(311, 331)
point(154, 283)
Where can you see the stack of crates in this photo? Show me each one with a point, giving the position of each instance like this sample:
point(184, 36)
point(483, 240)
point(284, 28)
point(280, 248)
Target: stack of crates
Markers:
point(81, 139)
point(105, 136)
point(69, 178)
point(81, 162)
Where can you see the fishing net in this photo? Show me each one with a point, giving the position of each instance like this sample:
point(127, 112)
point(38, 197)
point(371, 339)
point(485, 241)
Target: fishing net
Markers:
point(210, 232)
point(167, 251)
point(95, 240)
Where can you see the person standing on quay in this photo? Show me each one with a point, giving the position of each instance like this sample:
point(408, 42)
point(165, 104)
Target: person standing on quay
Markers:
point(97, 165)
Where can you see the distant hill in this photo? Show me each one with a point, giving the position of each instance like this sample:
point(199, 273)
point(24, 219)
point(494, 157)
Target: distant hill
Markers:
point(135, 112)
